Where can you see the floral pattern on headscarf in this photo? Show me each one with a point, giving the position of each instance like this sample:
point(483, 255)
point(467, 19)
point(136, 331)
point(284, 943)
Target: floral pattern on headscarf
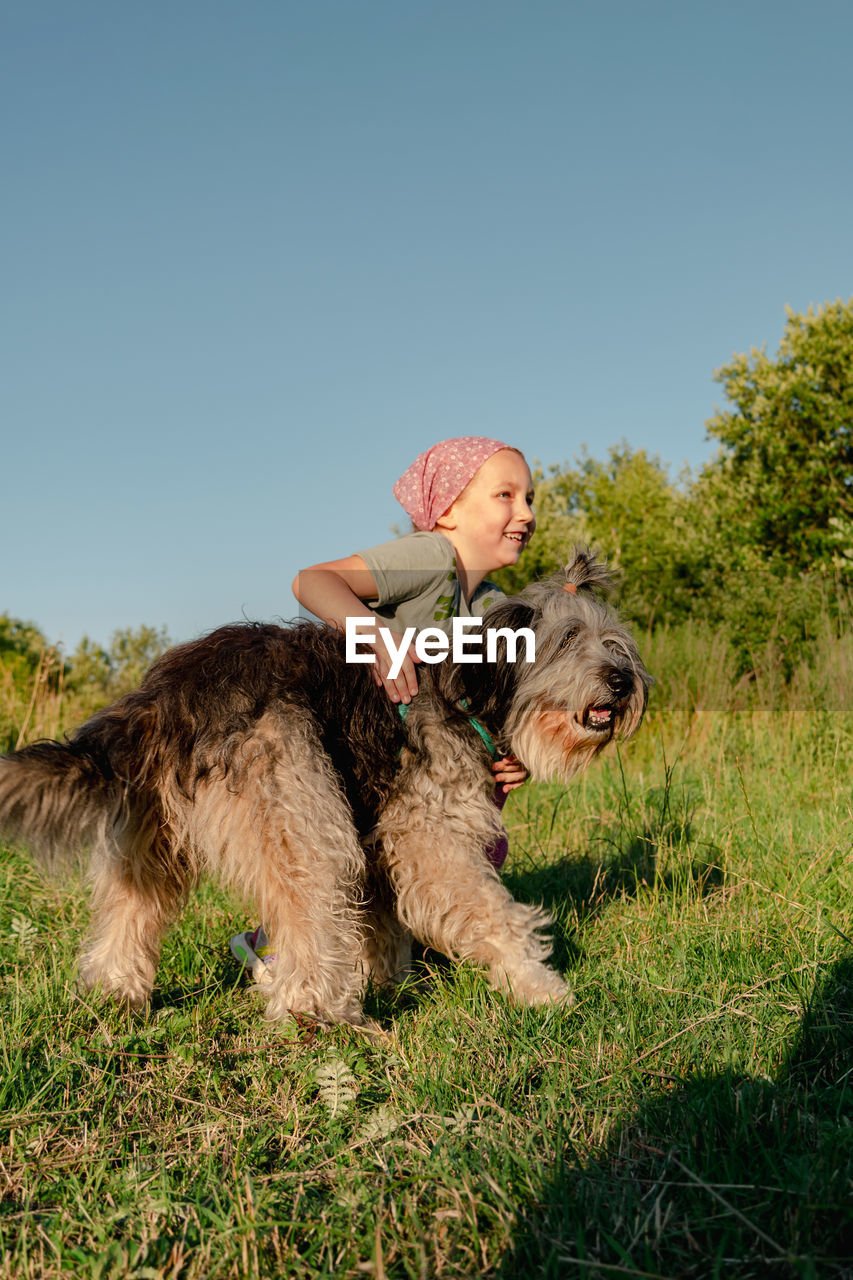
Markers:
point(434, 481)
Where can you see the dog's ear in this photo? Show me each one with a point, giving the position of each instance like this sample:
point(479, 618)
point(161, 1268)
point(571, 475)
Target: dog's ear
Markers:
point(508, 615)
point(488, 687)
point(584, 571)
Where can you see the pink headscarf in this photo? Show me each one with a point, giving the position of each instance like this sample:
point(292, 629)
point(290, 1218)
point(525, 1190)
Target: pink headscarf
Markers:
point(436, 478)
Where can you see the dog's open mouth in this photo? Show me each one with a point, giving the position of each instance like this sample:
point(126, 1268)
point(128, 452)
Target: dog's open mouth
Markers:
point(598, 719)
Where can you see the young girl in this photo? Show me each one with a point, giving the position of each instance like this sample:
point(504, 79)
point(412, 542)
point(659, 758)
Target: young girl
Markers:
point(470, 500)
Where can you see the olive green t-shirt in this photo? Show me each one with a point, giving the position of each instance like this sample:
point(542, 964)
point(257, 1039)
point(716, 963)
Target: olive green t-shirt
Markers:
point(417, 585)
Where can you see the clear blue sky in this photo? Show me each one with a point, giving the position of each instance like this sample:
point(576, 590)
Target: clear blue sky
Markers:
point(258, 255)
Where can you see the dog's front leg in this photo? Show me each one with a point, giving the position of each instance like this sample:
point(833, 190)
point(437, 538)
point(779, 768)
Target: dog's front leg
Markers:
point(452, 898)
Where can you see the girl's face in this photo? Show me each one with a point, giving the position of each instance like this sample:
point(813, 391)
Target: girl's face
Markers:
point(492, 521)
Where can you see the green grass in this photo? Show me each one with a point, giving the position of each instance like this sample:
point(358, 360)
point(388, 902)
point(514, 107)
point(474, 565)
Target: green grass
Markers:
point(692, 1115)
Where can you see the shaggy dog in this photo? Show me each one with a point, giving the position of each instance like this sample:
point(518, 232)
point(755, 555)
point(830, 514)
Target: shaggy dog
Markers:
point(259, 754)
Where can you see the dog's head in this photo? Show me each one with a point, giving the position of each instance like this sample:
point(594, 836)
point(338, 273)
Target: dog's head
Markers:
point(556, 702)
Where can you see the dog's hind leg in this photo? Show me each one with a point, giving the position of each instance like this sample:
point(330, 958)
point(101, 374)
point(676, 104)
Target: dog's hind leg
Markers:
point(386, 953)
point(135, 896)
point(290, 845)
point(452, 899)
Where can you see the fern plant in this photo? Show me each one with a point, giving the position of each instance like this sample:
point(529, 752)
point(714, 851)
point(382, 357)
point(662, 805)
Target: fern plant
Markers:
point(336, 1084)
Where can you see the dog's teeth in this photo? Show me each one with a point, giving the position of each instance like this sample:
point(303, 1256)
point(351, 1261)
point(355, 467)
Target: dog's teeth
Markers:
point(598, 716)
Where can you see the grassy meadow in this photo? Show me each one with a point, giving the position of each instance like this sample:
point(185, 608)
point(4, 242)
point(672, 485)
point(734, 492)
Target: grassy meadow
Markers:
point(690, 1116)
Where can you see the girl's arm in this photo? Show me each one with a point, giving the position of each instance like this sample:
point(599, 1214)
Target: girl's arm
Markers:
point(336, 590)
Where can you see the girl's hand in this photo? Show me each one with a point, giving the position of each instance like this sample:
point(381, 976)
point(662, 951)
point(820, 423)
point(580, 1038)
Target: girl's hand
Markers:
point(404, 687)
point(510, 772)
point(339, 589)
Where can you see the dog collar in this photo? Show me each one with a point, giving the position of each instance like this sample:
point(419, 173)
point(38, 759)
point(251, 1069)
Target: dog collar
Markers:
point(403, 708)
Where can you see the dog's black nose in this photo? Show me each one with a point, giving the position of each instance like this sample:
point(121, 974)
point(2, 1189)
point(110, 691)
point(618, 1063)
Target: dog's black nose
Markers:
point(620, 683)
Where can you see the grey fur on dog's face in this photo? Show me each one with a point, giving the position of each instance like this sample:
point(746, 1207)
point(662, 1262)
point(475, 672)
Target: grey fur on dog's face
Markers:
point(586, 686)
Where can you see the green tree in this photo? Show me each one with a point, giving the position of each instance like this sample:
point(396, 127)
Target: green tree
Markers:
point(629, 509)
point(24, 650)
point(780, 492)
point(32, 674)
point(98, 675)
point(132, 651)
point(23, 639)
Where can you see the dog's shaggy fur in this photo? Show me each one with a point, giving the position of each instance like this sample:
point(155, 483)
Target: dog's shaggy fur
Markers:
point(257, 753)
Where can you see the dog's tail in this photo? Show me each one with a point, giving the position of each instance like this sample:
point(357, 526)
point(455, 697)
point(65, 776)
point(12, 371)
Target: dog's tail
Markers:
point(56, 799)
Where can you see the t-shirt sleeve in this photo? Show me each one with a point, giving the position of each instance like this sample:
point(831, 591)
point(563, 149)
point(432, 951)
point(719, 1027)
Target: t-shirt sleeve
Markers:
point(485, 596)
point(404, 568)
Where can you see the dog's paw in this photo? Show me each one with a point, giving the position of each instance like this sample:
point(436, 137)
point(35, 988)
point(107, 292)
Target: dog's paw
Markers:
point(535, 984)
point(284, 1004)
point(104, 985)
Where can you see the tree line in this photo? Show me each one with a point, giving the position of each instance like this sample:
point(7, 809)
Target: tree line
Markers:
point(757, 543)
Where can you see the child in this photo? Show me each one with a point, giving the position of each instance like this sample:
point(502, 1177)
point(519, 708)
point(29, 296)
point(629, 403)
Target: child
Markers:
point(470, 500)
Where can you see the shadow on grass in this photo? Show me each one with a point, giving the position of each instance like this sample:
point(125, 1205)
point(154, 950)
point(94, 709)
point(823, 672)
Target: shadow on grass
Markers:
point(722, 1176)
point(586, 885)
